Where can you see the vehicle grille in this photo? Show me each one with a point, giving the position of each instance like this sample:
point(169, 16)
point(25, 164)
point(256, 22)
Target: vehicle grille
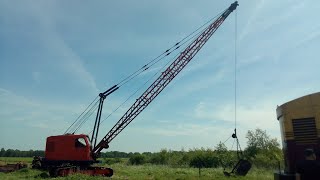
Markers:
point(305, 131)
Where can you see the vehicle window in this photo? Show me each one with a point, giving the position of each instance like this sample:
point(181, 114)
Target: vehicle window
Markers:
point(80, 142)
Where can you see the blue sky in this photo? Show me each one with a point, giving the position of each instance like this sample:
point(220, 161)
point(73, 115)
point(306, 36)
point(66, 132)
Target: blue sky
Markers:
point(56, 56)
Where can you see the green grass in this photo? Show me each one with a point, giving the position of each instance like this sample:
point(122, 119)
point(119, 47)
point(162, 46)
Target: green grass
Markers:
point(165, 172)
point(156, 172)
point(11, 160)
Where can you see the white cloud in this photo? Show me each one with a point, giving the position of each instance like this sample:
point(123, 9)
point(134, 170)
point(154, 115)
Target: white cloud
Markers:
point(261, 20)
point(29, 112)
point(211, 123)
point(248, 27)
point(40, 125)
point(260, 114)
point(55, 53)
point(182, 130)
point(187, 135)
point(208, 111)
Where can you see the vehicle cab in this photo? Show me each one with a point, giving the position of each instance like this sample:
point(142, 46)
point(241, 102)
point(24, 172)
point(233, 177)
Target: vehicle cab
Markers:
point(68, 147)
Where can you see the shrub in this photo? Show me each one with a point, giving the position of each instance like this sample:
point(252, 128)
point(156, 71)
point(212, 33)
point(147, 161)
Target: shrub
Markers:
point(204, 159)
point(137, 159)
point(111, 160)
point(160, 158)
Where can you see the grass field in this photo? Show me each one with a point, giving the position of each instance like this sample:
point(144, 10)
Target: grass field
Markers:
point(123, 171)
point(15, 159)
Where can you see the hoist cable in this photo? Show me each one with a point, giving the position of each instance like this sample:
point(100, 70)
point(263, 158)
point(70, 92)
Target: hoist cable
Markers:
point(165, 53)
point(168, 53)
point(233, 143)
point(142, 69)
point(227, 139)
point(134, 92)
point(80, 115)
point(154, 74)
point(154, 62)
point(238, 148)
point(235, 72)
point(85, 117)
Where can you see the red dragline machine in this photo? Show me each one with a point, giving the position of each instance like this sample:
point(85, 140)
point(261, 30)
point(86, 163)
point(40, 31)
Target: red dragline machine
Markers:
point(70, 153)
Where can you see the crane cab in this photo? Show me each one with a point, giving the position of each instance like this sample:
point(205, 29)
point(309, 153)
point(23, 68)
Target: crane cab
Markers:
point(68, 148)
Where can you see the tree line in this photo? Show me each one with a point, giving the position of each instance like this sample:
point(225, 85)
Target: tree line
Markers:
point(32, 153)
point(18, 153)
point(262, 151)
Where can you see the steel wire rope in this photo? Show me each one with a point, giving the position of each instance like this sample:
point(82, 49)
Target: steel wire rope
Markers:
point(135, 92)
point(146, 67)
point(235, 95)
point(80, 115)
point(159, 70)
point(156, 60)
point(238, 148)
point(235, 79)
point(169, 52)
point(85, 117)
point(226, 140)
point(235, 84)
point(233, 143)
point(224, 165)
point(235, 71)
point(166, 53)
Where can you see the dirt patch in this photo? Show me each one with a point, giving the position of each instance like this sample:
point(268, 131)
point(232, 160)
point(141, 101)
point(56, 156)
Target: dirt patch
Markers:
point(12, 167)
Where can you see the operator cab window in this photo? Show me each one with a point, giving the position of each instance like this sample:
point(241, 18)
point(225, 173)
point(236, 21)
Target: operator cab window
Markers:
point(80, 142)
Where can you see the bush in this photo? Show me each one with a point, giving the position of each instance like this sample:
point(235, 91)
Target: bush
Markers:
point(226, 158)
point(263, 150)
point(137, 159)
point(112, 160)
point(204, 159)
point(160, 158)
point(268, 160)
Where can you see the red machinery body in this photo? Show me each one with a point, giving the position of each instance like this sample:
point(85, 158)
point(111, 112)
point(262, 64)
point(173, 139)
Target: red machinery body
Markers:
point(71, 147)
point(69, 154)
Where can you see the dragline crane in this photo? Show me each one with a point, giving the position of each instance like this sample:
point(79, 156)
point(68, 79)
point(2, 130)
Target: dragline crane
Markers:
point(71, 153)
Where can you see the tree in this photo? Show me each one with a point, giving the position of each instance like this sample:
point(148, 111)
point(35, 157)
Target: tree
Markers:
point(160, 158)
point(202, 158)
point(137, 159)
point(226, 158)
point(258, 141)
point(2, 152)
point(263, 150)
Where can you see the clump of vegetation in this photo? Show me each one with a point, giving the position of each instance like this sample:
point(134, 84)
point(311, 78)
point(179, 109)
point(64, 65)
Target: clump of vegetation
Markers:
point(137, 159)
point(263, 151)
point(111, 161)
